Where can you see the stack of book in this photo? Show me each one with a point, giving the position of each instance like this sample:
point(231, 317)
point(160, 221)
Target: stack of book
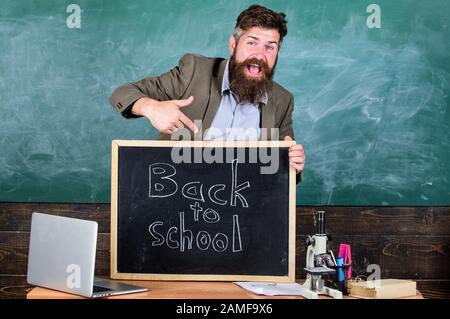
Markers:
point(382, 288)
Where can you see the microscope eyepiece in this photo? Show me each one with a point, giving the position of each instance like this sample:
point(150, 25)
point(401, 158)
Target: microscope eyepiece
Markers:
point(321, 222)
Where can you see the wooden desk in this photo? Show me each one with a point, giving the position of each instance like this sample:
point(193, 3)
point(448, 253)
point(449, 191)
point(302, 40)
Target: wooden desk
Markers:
point(178, 290)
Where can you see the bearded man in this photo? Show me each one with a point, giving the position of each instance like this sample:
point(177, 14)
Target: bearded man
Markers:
point(232, 99)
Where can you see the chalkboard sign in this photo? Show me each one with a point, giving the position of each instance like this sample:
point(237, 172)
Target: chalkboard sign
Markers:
point(202, 211)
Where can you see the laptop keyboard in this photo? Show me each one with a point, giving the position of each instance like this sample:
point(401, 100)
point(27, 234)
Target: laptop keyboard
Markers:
point(100, 289)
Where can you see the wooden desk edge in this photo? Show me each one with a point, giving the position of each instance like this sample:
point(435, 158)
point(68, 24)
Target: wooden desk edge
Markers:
point(179, 290)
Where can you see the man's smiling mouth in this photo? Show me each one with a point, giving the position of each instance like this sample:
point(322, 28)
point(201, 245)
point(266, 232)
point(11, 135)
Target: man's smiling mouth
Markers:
point(254, 69)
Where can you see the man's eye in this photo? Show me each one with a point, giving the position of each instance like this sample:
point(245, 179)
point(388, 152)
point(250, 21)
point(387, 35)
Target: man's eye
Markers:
point(251, 42)
point(270, 48)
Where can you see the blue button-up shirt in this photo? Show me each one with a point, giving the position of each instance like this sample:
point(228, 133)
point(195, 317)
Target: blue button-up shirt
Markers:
point(235, 121)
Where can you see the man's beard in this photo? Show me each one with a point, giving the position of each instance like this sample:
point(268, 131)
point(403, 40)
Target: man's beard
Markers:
point(246, 88)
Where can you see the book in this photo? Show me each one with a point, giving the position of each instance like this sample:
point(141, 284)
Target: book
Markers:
point(382, 288)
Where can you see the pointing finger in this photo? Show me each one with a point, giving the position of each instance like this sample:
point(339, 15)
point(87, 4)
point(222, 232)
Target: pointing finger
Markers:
point(187, 121)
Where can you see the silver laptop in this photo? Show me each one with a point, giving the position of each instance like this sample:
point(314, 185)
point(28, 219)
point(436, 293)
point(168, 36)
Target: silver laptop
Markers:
point(62, 257)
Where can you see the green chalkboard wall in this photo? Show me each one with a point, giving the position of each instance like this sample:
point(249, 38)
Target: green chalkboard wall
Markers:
point(371, 103)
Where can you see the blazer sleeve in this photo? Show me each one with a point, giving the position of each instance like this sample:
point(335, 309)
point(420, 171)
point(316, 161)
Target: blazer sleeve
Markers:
point(168, 86)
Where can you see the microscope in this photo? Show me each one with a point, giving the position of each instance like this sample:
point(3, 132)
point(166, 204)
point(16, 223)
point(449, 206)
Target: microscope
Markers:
point(318, 264)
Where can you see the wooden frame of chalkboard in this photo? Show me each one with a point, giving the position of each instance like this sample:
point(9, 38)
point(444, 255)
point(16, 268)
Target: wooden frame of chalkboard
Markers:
point(264, 244)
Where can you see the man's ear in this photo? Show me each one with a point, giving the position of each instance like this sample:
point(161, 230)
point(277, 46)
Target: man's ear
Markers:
point(232, 44)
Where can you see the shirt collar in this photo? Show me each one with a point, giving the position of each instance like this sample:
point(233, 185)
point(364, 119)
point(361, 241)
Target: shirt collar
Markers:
point(226, 83)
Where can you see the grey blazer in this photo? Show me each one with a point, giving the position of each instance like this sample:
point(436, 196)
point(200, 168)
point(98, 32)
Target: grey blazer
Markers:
point(202, 77)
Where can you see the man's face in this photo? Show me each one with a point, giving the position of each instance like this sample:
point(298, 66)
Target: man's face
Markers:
point(252, 63)
point(256, 44)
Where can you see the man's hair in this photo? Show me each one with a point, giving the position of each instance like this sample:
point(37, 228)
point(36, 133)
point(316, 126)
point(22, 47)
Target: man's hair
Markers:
point(259, 16)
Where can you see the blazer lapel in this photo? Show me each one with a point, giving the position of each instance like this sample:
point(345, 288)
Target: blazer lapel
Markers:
point(267, 118)
point(215, 96)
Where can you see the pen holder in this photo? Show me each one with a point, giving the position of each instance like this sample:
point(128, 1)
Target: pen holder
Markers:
point(341, 276)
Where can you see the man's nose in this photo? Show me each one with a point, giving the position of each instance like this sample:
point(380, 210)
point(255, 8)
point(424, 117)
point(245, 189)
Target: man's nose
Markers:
point(259, 52)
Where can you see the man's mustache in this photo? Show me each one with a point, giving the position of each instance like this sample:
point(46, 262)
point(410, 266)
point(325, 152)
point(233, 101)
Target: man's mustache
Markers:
point(261, 63)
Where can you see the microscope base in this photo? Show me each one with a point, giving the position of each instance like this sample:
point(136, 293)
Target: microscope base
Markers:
point(313, 287)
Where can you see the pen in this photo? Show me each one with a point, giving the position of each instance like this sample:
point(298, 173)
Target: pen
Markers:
point(332, 256)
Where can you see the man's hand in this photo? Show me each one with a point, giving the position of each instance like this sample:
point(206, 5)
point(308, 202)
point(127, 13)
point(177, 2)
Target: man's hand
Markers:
point(165, 116)
point(296, 155)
